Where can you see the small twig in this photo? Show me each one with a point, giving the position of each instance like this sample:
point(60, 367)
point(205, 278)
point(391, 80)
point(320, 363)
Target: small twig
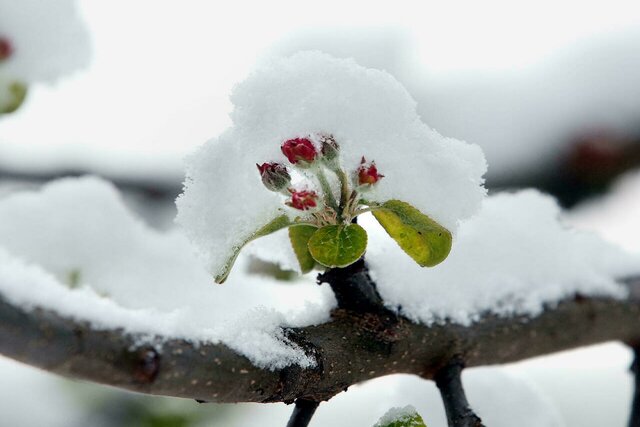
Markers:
point(302, 413)
point(448, 380)
point(634, 418)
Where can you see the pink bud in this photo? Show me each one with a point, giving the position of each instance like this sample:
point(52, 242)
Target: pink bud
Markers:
point(6, 49)
point(368, 173)
point(303, 200)
point(274, 176)
point(299, 149)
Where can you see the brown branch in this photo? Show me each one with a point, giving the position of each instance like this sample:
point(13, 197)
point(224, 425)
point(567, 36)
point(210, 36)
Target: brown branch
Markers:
point(349, 349)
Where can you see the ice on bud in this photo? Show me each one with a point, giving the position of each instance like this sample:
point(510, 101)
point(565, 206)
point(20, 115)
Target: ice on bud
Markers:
point(6, 48)
point(274, 176)
point(303, 200)
point(299, 151)
point(330, 148)
point(368, 173)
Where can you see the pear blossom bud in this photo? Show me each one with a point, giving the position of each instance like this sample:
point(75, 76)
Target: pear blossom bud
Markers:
point(274, 176)
point(330, 149)
point(368, 173)
point(299, 150)
point(303, 200)
point(6, 49)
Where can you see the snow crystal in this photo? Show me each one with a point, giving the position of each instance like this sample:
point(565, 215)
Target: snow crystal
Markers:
point(515, 256)
point(72, 247)
point(367, 111)
point(49, 39)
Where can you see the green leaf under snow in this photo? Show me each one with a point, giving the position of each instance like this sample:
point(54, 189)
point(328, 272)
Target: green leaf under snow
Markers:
point(338, 245)
point(271, 227)
point(401, 417)
point(299, 236)
point(12, 97)
point(423, 239)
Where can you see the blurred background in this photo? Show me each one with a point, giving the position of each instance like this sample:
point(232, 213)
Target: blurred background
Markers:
point(549, 90)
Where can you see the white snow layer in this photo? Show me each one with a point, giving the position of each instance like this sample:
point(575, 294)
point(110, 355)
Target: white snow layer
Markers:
point(369, 113)
point(133, 277)
point(49, 39)
point(514, 257)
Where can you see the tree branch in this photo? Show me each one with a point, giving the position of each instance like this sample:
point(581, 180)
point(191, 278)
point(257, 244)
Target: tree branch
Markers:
point(302, 413)
point(449, 382)
point(351, 348)
point(634, 419)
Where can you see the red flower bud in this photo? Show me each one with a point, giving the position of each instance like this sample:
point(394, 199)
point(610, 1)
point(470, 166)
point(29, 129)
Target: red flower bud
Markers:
point(303, 200)
point(368, 173)
point(6, 49)
point(299, 149)
point(274, 176)
point(330, 148)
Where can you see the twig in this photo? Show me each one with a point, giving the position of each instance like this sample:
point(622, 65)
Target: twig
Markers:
point(634, 418)
point(302, 413)
point(449, 381)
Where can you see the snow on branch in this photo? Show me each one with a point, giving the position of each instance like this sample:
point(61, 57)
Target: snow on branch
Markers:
point(347, 350)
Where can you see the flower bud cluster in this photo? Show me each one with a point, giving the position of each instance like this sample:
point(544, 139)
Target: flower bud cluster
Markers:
point(302, 153)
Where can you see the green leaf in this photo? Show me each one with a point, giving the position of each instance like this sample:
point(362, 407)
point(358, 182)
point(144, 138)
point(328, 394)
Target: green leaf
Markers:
point(299, 236)
point(271, 227)
point(338, 245)
point(16, 92)
point(423, 239)
point(401, 417)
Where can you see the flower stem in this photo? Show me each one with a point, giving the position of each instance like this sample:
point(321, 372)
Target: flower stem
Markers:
point(326, 189)
point(344, 187)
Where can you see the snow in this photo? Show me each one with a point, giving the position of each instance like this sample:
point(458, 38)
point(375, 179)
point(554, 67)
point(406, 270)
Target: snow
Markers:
point(368, 112)
point(144, 281)
point(566, 86)
point(615, 215)
point(48, 37)
point(514, 257)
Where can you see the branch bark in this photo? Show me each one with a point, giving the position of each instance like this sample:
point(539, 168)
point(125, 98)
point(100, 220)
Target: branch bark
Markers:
point(351, 348)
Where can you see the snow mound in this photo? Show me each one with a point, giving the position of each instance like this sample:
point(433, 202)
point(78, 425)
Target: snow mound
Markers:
point(514, 257)
point(49, 39)
point(368, 112)
point(74, 248)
